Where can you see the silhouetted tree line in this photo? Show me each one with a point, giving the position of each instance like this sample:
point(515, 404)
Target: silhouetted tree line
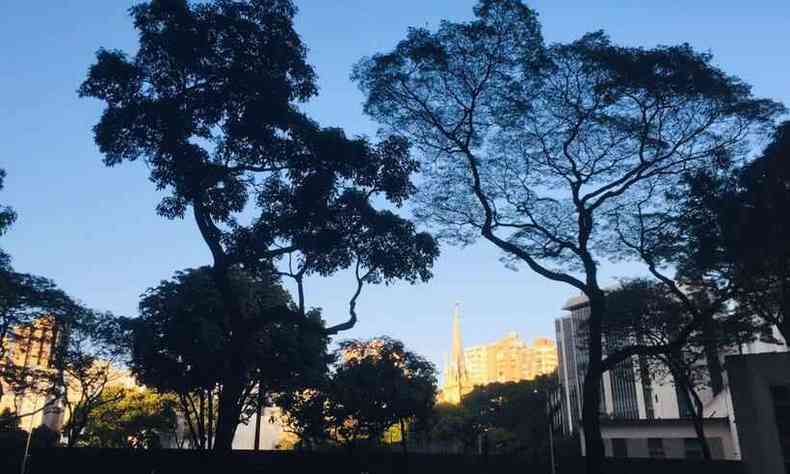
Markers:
point(563, 156)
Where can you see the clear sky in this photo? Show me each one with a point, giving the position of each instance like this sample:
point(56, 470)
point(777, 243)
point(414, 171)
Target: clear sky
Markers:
point(94, 230)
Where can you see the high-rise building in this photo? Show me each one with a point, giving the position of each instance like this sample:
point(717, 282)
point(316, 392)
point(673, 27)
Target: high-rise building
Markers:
point(541, 358)
point(506, 360)
point(31, 347)
point(627, 392)
point(643, 415)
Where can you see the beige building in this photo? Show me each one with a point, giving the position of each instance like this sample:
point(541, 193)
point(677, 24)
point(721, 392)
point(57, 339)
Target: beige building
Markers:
point(506, 360)
point(510, 360)
point(29, 347)
point(541, 358)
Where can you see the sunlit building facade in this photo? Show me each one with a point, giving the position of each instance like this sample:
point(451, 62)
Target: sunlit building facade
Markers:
point(31, 347)
point(506, 360)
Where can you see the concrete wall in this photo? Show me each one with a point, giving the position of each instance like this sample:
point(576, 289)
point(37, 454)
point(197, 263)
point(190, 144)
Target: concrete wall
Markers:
point(716, 430)
point(751, 378)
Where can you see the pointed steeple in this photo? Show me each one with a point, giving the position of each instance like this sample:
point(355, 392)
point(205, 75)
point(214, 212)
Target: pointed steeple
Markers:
point(457, 365)
point(457, 355)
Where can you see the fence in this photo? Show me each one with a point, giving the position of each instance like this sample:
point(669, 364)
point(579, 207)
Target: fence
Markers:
point(116, 461)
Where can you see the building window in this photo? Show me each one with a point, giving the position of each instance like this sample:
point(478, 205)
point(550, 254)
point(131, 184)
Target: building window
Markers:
point(619, 448)
point(655, 447)
point(692, 448)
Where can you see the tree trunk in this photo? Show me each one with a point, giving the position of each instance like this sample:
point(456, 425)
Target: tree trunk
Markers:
point(210, 426)
point(228, 416)
point(699, 426)
point(712, 354)
point(234, 379)
point(697, 410)
point(403, 440)
point(258, 411)
point(593, 442)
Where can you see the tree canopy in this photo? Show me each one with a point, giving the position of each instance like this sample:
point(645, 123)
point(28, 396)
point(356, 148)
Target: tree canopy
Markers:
point(132, 418)
point(375, 384)
point(7, 217)
point(183, 340)
point(558, 155)
point(739, 231)
point(211, 103)
point(512, 418)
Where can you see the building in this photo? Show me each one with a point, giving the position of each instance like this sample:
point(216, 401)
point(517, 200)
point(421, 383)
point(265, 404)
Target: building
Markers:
point(457, 382)
point(541, 358)
point(760, 401)
point(642, 416)
point(30, 347)
point(506, 360)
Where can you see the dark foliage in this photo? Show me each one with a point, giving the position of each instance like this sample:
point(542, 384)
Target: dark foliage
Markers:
point(210, 102)
point(376, 384)
point(741, 234)
point(183, 340)
point(509, 418)
point(563, 156)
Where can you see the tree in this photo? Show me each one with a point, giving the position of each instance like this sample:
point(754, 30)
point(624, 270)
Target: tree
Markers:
point(184, 332)
point(376, 384)
point(642, 312)
point(11, 435)
point(511, 417)
point(454, 426)
point(132, 418)
point(740, 231)
point(210, 103)
point(26, 299)
point(304, 415)
point(86, 366)
point(7, 217)
point(543, 152)
point(23, 299)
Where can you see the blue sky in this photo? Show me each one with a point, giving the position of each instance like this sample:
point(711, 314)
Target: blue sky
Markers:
point(94, 230)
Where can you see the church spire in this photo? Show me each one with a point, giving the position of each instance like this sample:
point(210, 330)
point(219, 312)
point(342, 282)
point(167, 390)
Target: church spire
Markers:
point(457, 357)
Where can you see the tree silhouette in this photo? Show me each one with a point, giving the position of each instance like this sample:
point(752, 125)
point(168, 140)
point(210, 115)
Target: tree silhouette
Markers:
point(184, 333)
point(543, 152)
point(644, 313)
point(376, 384)
point(210, 102)
point(87, 363)
point(26, 299)
point(7, 217)
point(740, 231)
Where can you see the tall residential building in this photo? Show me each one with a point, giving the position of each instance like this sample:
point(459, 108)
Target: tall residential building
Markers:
point(506, 360)
point(31, 347)
point(541, 358)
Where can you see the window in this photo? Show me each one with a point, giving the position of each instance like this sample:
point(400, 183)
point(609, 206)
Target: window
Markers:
point(619, 448)
point(655, 447)
point(692, 448)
